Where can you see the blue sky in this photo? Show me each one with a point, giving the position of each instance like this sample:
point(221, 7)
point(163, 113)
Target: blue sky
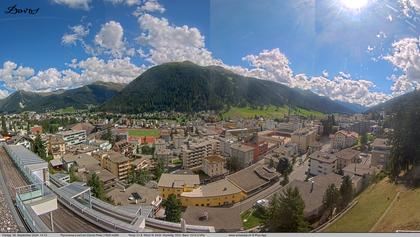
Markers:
point(359, 51)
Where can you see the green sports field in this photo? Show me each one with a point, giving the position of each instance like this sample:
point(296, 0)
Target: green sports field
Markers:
point(143, 133)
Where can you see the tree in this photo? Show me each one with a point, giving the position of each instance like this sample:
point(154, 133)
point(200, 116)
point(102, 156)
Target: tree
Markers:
point(97, 186)
point(3, 125)
point(285, 213)
point(138, 176)
point(39, 148)
point(363, 141)
point(346, 191)
point(331, 199)
point(172, 209)
point(405, 148)
point(108, 136)
point(159, 169)
point(72, 174)
point(284, 167)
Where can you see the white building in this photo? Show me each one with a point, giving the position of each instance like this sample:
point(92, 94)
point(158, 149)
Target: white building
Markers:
point(73, 137)
point(343, 139)
point(322, 163)
point(195, 151)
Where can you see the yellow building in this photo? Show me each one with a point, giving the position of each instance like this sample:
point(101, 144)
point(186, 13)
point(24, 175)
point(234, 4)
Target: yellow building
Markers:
point(177, 184)
point(215, 194)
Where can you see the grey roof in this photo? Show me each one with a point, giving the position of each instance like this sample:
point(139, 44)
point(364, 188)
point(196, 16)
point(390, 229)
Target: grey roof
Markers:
point(26, 158)
point(242, 147)
point(313, 197)
point(178, 180)
point(74, 189)
point(247, 179)
point(348, 154)
point(223, 219)
point(324, 157)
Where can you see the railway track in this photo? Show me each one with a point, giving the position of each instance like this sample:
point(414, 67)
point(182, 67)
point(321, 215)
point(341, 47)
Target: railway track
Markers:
point(64, 219)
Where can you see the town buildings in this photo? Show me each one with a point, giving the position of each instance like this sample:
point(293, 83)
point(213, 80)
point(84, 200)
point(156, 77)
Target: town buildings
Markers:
point(243, 154)
point(343, 139)
point(73, 137)
point(380, 152)
point(322, 163)
point(304, 137)
point(214, 165)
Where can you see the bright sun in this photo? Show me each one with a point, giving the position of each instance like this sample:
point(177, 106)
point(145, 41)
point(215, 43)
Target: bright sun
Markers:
point(354, 4)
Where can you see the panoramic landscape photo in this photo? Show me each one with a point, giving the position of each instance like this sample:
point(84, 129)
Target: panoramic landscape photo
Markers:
point(202, 116)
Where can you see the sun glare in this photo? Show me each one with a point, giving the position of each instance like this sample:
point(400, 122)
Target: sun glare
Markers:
point(354, 4)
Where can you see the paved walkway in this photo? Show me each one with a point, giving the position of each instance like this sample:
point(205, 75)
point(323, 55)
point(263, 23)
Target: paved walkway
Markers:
point(385, 213)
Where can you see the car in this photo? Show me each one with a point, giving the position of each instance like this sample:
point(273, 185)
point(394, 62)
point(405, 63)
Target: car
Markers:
point(262, 202)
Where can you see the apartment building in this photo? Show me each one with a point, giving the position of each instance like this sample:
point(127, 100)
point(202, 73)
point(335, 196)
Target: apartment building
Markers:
point(214, 166)
point(56, 146)
point(322, 163)
point(380, 152)
point(243, 154)
point(346, 157)
point(304, 137)
point(343, 139)
point(195, 151)
point(73, 137)
point(115, 163)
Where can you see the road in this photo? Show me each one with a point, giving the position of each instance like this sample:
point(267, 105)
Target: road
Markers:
point(298, 173)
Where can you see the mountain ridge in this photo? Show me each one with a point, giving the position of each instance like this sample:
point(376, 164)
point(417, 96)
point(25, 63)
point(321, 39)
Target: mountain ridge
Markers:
point(187, 87)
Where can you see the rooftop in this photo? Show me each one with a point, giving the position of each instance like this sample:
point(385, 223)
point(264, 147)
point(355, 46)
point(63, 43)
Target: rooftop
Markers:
point(381, 143)
point(348, 154)
point(242, 147)
point(218, 188)
point(324, 157)
point(223, 219)
point(214, 159)
point(247, 179)
point(178, 180)
point(117, 157)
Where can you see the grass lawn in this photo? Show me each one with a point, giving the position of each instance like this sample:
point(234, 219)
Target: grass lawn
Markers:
point(404, 213)
point(249, 220)
point(268, 112)
point(70, 109)
point(372, 204)
point(143, 133)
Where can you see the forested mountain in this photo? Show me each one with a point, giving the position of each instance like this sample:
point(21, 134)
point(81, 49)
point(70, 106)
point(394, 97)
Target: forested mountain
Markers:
point(187, 87)
point(79, 98)
point(394, 104)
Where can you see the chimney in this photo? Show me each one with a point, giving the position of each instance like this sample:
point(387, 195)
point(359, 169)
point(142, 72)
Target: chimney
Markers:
point(312, 186)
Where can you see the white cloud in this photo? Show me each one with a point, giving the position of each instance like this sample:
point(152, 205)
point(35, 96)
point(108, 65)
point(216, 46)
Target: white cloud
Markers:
point(126, 2)
point(78, 32)
point(78, 74)
point(14, 77)
point(406, 57)
point(402, 85)
point(77, 4)
point(167, 43)
point(410, 6)
point(149, 6)
point(110, 40)
point(270, 65)
point(114, 70)
point(342, 87)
